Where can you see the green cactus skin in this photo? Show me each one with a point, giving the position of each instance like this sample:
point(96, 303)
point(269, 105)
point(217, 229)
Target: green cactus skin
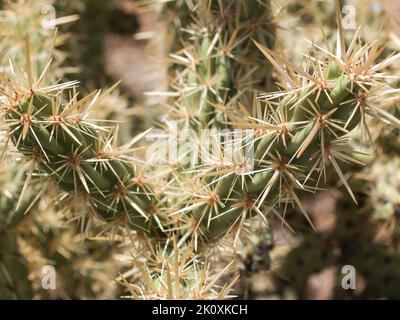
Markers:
point(67, 148)
point(340, 90)
point(314, 120)
point(224, 62)
point(224, 66)
point(315, 117)
point(283, 160)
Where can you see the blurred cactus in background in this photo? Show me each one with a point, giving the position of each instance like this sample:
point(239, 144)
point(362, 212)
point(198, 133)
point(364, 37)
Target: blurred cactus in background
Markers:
point(36, 18)
point(45, 238)
point(14, 282)
point(86, 47)
point(247, 139)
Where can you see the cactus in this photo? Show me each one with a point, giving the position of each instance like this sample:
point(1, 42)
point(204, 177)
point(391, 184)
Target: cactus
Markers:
point(29, 17)
point(296, 133)
point(86, 47)
point(308, 130)
point(381, 183)
point(384, 195)
point(40, 240)
point(71, 149)
point(14, 282)
point(169, 272)
point(65, 145)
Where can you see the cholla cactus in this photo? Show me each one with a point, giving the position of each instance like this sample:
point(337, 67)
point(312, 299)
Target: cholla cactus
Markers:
point(298, 136)
point(14, 282)
point(296, 133)
point(41, 240)
point(295, 141)
point(60, 141)
point(37, 18)
point(170, 272)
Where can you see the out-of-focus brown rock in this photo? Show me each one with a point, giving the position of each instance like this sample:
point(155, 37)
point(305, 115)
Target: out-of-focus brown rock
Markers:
point(128, 59)
point(321, 285)
point(134, 61)
point(322, 208)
